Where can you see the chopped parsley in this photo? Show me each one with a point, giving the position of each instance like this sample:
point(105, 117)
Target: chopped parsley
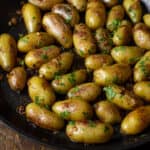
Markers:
point(75, 89)
point(72, 78)
point(91, 123)
point(115, 24)
point(33, 18)
point(47, 107)
point(44, 57)
point(116, 80)
point(110, 93)
point(120, 48)
point(38, 100)
point(21, 62)
point(71, 122)
point(132, 13)
point(65, 114)
point(46, 48)
point(68, 20)
point(81, 52)
point(25, 39)
point(86, 115)
point(106, 129)
point(134, 60)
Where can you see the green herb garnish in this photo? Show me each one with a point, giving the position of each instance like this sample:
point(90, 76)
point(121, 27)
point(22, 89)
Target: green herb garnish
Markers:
point(65, 114)
point(68, 20)
point(46, 48)
point(21, 62)
point(71, 122)
point(91, 123)
point(25, 39)
point(115, 24)
point(110, 93)
point(72, 78)
point(106, 129)
point(38, 100)
point(44, 57)
point(86, 115)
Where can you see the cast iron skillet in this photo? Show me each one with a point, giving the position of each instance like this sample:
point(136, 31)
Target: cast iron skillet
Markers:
point(10, 100)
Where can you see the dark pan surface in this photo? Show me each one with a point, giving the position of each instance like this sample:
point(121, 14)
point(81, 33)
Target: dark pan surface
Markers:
point(10, 100)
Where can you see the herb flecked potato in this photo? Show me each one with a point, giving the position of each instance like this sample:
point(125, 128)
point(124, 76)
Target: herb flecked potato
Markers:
point(40, 91)
point(56, 26)
point(8, 52)
point(89, 132)
point(73, 109)
point(57, 66)
point(136, 121)
point(43, 117)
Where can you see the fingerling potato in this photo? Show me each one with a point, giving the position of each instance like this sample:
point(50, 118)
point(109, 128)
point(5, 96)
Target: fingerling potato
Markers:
point(146, 19)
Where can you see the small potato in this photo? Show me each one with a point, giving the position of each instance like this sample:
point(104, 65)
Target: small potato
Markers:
point(35, 58)
point(68, 12)
point(95, 15)
point(136, 121)
point(83, 40)
point(40, 91)
point(32, 17)
point(142, 69)
point(17, 78)
point(142, 89)
point(117, 74)
point(33, 41)
point(146, 19)
point(97, 61)
point(89, 132)
point(43, 117)
point(127, 54)
point(104, 40)
point(86, 91)
point(56, 66)
point(45, 4)
point(63, 83)
point(123, 98)
point(141, 35)
point(110, 3)
point(107, 112)
point(73, 109)
point(8, 52)
point(134, 10)
point(80, 5)
point(115, 17)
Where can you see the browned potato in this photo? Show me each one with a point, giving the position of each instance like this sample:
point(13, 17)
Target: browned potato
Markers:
point(17, 78)
point(55, 25)
point(110, 3)
point(146, 19)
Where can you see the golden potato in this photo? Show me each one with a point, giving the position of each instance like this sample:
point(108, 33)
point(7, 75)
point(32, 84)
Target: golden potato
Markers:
point(136, 121)
point(89, 132)
point(83, 40)
point(43, 117)
point(146, 19)
point(73, 109)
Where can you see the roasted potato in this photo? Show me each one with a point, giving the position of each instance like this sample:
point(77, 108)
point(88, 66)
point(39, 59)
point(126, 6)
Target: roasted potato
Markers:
point(46, 4)
point(73, 109)
point(43, 117)
point(141, 35)
point(86, 91)
point(110, 3)
point(117, 74)
point(146, 19)
point(33, 41)
point(68, 12)
point(107, 112)
point(83, 41)
point(89, 132)
point(123, 98)
point(8, 52)
point(35, 58)
point(136, 121)
point(40, 91)
point(63, 83)
point(134, 10)
point(32, 17)
point(142, 90)
point(127, 54)
point(95, 15)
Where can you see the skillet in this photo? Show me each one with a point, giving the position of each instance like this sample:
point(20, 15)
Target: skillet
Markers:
point(10, 100)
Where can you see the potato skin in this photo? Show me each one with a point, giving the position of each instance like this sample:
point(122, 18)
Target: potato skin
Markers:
point(95, 15)
point(33, 41)
point(134, 10)
point(40, 91)
point(55, 25)
point(86, 91)
point(142, 89)
point(8, 52)
point(96, 61)
point(142, 69)
point(73, 109)
point(68, 12)
point(107, 112)
point(141, 31)
point(43, 117)
point(117, 74)
point(104, 40)
point(115, 16)
point(146, 19)
point(46, 4)
point(136, 121)
point(83, 40)
point(63, 83)
point(110, 3)
point(35, 58)
point(127, 54)
point(89, 132)
point(123, 98)
point(17, 78)
point(80, 5)
point(32, 17)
